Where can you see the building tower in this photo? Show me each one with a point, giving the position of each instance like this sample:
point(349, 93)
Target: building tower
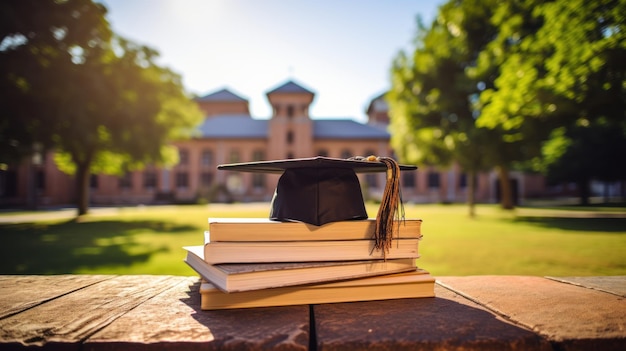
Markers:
point(290, 132)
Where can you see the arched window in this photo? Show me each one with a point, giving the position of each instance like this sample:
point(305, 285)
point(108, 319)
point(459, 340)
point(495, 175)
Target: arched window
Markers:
point(290, 111)
point(233, 156)
point(258, 155)
point(207, 158)
point(408, 179)
point(183, 157)
point(433, 180)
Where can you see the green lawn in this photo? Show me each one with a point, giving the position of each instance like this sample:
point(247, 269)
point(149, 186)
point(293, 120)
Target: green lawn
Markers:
point(148, 240)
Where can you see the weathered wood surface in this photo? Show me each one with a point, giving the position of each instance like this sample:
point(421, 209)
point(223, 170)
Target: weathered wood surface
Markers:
point(447, 322)
point(83, 312)
point(173, 320)
point(574, 317)
point(612, 284)
point(19, 293)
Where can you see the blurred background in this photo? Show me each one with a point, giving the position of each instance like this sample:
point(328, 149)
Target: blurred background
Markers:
point(505, 104)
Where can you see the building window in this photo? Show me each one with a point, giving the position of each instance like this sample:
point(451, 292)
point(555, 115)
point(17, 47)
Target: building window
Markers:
point(40, 181)
point(258, 155)
point(233, 156)
point(290, 137)
point(258, 181)
point(93, 181)
point(433, 180)
point(408, 179)
point(346, 153)
point(125, 181)
point(206, 178)
point(371, 179)
point(182, 180)
point(463, 180)
point(323, 153)
point(183, 157)
point(149, 179)
point(290, 155)
point(290, 111)
point(207, 158)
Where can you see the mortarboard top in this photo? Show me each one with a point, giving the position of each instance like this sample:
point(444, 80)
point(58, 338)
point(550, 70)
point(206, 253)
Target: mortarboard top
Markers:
point(358, 165)
point(320, 190)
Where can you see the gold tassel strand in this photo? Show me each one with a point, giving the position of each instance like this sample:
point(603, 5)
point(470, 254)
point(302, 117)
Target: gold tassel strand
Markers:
point(391, 201)
point(388, 210)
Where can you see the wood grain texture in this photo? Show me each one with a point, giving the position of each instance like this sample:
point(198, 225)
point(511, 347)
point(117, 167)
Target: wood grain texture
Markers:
point(611, 284)
point(572, 317)
point(172, 320)
point(20, 293)
point(144, 312)
point(447, 322)
point(74, 316)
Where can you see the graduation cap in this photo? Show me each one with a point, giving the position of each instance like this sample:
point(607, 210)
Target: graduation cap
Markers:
point(321, 190)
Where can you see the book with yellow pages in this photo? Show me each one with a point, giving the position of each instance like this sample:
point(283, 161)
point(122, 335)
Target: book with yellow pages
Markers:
point(305, 251)
point(234, 277)
point(264, 229)
point(416, 284)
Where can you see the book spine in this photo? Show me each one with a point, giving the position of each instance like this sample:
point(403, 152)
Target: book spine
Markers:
point(303, 251)
point(276, 231)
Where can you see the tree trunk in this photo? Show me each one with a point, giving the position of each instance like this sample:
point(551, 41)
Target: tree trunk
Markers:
point(471, 193)
point(82, 189)
point(506, 192)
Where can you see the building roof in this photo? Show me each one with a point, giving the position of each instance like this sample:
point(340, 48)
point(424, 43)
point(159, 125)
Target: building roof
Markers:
point(232, 127)
point(290, 87)
point(246, 127)
point(378, 104)
point(222, 95)
point(346, 129)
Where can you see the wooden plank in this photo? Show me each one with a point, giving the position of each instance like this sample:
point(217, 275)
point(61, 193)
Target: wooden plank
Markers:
point(611, 284)
point(572, 317)
point(447, 322)
point(71, 318)
point(20, 293)
point(172, 320)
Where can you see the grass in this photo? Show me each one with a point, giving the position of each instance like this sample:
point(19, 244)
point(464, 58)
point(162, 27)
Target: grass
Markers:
point(148, 240)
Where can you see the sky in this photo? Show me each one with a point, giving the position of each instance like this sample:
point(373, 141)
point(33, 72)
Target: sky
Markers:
point(342, 50)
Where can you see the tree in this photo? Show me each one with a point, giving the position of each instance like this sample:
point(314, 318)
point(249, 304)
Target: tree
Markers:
point(585, 152)
point(559, 79)
point(36, 39)
point(101, 102)
point(433, 100)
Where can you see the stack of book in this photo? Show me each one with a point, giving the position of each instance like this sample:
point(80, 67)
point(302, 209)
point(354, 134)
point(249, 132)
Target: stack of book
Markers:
point(260, 262)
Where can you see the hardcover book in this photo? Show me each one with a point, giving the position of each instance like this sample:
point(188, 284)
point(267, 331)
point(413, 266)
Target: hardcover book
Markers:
point(305, 251)
point(416, 284)
point(234, 277)
point(263, 229)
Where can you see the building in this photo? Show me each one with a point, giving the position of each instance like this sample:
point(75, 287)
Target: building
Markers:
point(229, 134)
point(232, 135)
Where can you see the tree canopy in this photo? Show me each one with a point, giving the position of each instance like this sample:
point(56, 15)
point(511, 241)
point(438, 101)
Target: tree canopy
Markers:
point(98, 99)
point(433, 98)
point(515, 83)
point(563, 81)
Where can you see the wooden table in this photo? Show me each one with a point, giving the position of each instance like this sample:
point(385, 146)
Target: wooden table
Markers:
point(99, 312)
